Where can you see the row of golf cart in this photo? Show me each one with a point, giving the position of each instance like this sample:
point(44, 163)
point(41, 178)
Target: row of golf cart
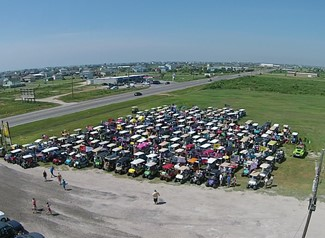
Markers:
point(166, 142)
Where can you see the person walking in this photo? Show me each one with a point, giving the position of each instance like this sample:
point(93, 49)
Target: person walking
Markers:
point(64, 184)
point(34, 205)
point(59, 178)
point(155, 196)
point(228, 180)
point(49, 210)
point(234, 181)
point(45, 175)
point(52, 171)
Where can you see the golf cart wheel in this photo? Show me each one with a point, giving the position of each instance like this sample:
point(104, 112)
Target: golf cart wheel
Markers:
point(255, 187)
point(143, 176)
point(183, 181)
point(207, 184)
point(198, 183)
point(133, 175)
point(161, 178)
point(215, 185)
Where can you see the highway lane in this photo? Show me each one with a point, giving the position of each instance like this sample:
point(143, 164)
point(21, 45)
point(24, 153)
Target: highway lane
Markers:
point(85, 105)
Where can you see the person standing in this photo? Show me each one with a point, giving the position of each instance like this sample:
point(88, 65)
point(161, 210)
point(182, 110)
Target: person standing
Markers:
point(52, 171)
point(64, 184)
point(45, 175)
point(155, 196)
point(34, 205)
point(228, 180)
point(49, 210)
point(59, 178)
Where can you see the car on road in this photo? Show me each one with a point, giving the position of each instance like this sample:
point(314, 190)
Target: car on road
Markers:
point(137, 94)
point(167, 82)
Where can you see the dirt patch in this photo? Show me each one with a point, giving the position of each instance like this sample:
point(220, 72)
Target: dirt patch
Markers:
point(101, 205)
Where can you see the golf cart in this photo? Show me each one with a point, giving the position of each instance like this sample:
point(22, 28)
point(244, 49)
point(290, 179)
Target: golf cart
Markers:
point(123, 165)
point(266, 170)
point(213, 178)
point(134, 109)
point(80, 162)
point(151, 170)
point(279, 156)
point(27, 161)
point(184, 175)
point(198, 177)
point(255, 180)
point(299, 151)
point(110, 163)
point(137, 167)
point(168, 172)
point(99, 159)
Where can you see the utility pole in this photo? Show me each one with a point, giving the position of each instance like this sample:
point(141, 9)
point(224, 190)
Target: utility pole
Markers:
point(313, 199)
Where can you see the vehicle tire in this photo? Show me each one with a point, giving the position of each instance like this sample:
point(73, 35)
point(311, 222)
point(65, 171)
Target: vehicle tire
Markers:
point(183, 181)
point(207, 184)
point(150, 177)
point(255, 187)
point(161, 178)
point(247, 186)
point(215, 185)
point(143, 176)
point(3, 219)
point(134, 175)
point(198, 182)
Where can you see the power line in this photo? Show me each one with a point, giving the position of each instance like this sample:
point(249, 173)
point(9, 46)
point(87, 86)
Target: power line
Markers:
point(313, 199)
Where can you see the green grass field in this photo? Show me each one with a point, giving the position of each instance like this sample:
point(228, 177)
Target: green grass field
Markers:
point(265, 98)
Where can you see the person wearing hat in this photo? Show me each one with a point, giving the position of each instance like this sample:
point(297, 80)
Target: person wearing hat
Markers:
point(155, 196)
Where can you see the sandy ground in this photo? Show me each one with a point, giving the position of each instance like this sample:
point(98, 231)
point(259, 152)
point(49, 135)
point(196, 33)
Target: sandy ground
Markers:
point(99, 204)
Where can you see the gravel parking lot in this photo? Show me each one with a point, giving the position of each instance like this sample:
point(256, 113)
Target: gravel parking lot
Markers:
point(99, 204)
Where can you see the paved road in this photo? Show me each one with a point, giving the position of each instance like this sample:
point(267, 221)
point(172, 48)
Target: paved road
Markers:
point(85, 105)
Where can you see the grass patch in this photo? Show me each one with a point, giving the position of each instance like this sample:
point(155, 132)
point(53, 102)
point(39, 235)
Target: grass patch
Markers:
point(302, 112)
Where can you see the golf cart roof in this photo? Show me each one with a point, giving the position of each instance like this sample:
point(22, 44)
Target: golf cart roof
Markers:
point(153, 155)
point(264, 166)
point(270, 158)
point(15, 151)
point(138, 153)
point(168, 166)
point(50, 149)
point(27, 156)
point(111, 145)
point(116, 149)
point(162, 150)
point(211, 160)
point(192, 160)
point(272, 142)
point(254, 174)
point(137, 161)
point(150, 164)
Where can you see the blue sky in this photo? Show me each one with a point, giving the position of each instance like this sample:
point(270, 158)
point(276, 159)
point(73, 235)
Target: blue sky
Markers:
point(39, 33)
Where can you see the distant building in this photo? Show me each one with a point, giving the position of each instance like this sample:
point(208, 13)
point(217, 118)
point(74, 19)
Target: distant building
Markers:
point(139, 69)
point(57, 76)
point(86, 74)
point(267, 65)
point(301, 74)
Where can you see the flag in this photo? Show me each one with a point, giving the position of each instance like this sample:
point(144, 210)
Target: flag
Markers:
point(6, 133)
